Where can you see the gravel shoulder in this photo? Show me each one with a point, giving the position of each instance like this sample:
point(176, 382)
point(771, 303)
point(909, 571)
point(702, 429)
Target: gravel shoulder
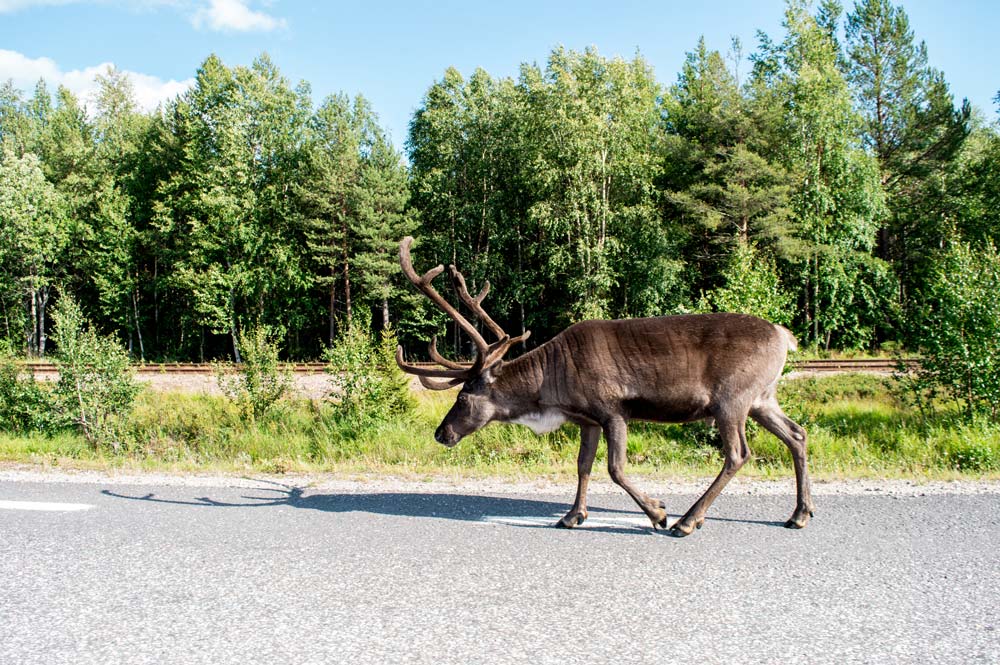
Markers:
point(445, 484)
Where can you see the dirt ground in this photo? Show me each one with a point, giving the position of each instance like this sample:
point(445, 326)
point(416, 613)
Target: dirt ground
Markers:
point(310, 386)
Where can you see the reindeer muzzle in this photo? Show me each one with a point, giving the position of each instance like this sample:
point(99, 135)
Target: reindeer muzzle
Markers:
point(447, 436)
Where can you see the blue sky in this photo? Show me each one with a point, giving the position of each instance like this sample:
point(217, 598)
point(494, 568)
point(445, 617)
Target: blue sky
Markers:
point(392, 51)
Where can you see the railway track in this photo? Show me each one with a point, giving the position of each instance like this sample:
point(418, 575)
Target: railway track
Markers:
point(827, 365)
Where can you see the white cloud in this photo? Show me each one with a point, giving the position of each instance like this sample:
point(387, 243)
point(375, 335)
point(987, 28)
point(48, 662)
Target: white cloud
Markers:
point(235, 16)
point(25, 72)
point(218, 15)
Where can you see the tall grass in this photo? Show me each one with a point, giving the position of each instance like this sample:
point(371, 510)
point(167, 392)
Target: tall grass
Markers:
point(856, 429)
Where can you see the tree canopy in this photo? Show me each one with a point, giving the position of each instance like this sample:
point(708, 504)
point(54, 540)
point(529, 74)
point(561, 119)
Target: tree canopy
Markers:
point(823, 189)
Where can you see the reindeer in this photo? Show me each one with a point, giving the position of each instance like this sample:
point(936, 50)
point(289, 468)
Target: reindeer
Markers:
point(602, 374)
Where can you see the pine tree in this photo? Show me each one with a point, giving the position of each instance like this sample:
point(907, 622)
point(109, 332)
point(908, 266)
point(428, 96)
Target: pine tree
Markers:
point(912, 127)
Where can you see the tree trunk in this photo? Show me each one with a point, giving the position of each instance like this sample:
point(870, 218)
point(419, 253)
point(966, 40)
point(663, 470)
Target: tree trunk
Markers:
point(156, 306)
point(135, 316)
point(233, 332)
point(6, 318)
point(332, 312)
point(43, 300)
point(385, 313)
point(806, 292)
point(347, 284)
point(816, 303)
point(33, 329)
point(520, 274)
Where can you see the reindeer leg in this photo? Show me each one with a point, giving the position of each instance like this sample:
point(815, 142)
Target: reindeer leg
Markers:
point(589, 437)
point(616, 433)
point(737, 452)
point(773, 419)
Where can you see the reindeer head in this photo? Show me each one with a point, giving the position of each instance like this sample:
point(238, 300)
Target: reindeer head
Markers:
point(475, 406)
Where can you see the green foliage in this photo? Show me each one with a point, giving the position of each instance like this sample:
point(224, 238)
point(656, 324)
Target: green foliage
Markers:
point(582, 187)
point(857, 428)
point(958, 332)
point(224, 214)
point(96, 386)
point(752, 286)
point(972, 456)
point(25, 406)
point(368, 386)
point(33, 236)
point(912, 127)
point(257, 383)
point(837, 200)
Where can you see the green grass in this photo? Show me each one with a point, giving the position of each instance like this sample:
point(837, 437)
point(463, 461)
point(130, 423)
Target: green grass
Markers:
point(856, 427)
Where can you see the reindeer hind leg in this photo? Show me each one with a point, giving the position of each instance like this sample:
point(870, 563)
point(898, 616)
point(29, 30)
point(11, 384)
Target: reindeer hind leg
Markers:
point(774, 420)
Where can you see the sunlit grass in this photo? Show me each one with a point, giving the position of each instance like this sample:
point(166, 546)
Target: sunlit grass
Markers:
point(856, 428)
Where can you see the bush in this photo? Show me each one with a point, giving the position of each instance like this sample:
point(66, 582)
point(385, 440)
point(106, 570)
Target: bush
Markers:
point(752, 287)
point(957, 331)
point(25, 406)
point(973, 456)
point(257, 383)
point(96, 386)
point(368, 386)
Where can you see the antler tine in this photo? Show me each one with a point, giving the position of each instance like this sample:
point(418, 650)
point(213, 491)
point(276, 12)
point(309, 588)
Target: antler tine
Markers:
point(462, 374)
point(431, 384)
point(500, 349)
point(484, 292)
point(441, 360)
point(487, 354)
point(423, 284)
point(475, 304)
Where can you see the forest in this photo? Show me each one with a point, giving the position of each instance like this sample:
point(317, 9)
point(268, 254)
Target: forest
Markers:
point(836, 187)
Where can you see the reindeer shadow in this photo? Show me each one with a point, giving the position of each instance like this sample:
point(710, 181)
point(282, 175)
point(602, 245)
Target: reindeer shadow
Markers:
point(480, 508)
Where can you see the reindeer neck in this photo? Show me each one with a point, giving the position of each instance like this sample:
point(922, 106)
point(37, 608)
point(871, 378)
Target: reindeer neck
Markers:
point(520, 380)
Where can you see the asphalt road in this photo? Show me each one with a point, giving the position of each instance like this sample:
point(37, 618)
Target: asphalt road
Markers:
point(277, 573)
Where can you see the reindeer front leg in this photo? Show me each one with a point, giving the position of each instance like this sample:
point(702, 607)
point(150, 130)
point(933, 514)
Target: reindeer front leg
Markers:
point(590, 435)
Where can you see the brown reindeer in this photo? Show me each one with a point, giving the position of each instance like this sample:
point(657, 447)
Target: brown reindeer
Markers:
point(601, 374)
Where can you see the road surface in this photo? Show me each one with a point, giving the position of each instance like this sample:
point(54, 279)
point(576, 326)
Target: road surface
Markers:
point(276, 571)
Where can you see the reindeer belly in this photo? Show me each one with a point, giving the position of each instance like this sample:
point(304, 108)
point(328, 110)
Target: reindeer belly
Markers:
point(666, 411)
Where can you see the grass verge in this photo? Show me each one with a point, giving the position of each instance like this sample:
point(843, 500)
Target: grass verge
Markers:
point(857, 429)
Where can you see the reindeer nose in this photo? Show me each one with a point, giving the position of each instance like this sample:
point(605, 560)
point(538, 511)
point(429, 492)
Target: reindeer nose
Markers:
point(446, 435)
point(439, 435)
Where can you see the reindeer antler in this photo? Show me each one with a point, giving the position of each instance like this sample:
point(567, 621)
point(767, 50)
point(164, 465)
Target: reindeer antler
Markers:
point(487, 355)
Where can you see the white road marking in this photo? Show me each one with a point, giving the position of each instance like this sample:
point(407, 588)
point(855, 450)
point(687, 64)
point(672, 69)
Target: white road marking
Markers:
point(600, 522)
point(44, 505)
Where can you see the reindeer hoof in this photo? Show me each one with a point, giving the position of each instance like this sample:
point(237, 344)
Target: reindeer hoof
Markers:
point(679, 530)
point(797, 523)
point(799, 520)
point(682, 528)
point(570, 521)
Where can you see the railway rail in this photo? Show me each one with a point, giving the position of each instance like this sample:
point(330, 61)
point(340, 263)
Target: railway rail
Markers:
point(821, 366)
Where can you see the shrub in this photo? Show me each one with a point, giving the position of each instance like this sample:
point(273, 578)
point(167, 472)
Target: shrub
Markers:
point(957, 331)
point(96, 386)
point(257, 383)
point(752, 287)
point(25, 406)
point(368, 387)
point(973, 456)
